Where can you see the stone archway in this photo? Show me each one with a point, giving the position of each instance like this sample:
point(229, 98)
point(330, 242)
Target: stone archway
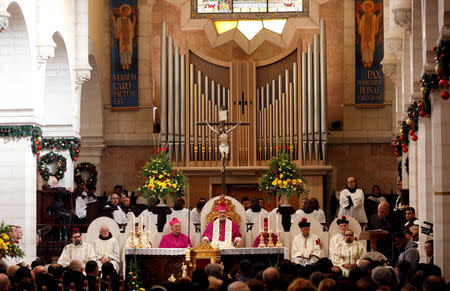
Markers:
point(16, 68)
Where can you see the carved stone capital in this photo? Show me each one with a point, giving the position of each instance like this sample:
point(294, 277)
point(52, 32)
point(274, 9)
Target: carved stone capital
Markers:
point(82, 74)
point(4, 20)
point(45, 52)
point(402, 17)
point(395, 44)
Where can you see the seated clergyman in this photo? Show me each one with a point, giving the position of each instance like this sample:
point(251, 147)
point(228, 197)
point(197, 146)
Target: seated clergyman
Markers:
point(77, 250)
point(222, 232)
point(107, 248)
point(306, 247)
point(175, 239)
point(348, 252)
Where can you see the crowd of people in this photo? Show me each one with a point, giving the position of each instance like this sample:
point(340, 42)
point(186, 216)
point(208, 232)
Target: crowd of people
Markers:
point(348, 264)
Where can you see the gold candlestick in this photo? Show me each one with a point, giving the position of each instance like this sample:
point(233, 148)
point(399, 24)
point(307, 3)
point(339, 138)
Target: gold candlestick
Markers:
point(132, 245)
point(279, 243)
point(261, 241)
point(270, 242)
point(140, 245)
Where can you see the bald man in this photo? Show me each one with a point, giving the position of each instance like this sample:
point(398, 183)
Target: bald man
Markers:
point(385, 219)
point(5, 285)
point(107, 248)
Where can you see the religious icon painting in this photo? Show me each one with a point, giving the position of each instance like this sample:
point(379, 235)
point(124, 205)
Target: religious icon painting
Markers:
point(124, 85)
point(369, 51)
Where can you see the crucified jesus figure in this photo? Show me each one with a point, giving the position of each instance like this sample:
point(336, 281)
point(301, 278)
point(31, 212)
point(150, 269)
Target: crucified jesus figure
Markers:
point(222, 133)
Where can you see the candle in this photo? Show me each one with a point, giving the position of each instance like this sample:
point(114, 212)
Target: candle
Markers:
point(141, 222)
point(132, 222)
point(261, 225)
point(268, 222)
point(148, 223)
point(277, 221)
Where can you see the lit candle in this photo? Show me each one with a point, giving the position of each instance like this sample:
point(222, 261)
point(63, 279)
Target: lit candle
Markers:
point(268, 222)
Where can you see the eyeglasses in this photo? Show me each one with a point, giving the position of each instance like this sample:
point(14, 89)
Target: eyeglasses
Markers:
point(348, 234)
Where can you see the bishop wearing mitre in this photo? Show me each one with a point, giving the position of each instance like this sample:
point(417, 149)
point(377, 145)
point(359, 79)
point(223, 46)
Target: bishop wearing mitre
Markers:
point(222, 232)
point(175, 239)
point(107, 248)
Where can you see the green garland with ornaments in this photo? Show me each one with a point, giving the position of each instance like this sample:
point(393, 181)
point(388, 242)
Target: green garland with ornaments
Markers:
point(85, 167)
point(21, 131)
point(50, 158)
point(71, 144)
point(429, 83)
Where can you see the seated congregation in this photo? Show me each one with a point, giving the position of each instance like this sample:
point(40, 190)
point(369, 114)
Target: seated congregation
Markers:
point(334, 257)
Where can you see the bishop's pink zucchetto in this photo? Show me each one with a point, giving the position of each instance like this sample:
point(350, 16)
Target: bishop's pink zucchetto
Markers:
point(222, 206)
point(174, 221)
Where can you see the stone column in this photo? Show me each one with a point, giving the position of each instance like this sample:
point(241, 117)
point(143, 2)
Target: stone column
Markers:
point(91, 151)
point(18, 178)
point(440, 130)
point(424, 210)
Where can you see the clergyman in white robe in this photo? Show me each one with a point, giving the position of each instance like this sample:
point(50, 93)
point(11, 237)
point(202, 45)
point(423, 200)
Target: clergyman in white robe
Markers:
point(82, 252)
point(107, 249)
point(348, 252)
point(306, 247)
point(351, 202)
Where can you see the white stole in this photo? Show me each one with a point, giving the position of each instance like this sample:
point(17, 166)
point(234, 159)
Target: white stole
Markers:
point(216, 234)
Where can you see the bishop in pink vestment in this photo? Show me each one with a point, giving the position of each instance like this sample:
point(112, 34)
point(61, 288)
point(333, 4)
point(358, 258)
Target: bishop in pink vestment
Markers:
point(222, 211)
point(175, 239)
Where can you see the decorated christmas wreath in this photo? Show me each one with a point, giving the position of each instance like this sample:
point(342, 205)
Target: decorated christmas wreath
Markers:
point(48, 159)
point(88, 167)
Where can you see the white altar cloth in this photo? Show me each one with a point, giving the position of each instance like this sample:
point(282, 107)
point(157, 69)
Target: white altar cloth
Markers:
point(224, 252)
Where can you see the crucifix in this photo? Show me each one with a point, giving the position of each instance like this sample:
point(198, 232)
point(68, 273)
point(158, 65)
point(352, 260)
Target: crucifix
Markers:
point(222, 132)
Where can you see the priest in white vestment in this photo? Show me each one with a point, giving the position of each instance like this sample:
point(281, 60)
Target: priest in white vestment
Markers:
point(348, 252)
point(351, 202)
point(77, 250)
point(107, 248)
point(222, 232)
point(306, 247)
point(338, 237)
point(254, 211)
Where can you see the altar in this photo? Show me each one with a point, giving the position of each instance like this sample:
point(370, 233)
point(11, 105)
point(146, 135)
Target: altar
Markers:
point(156, 265)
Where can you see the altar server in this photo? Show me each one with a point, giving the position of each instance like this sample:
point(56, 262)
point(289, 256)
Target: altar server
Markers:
point(107, 248)
point(351, 202)
point(222, 232)
point(175, 239)
point(306, 247)
point(254, 211)
point(77, 250)
point(348, 252)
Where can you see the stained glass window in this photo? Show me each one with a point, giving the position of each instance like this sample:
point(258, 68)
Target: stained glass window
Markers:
point(230, 7)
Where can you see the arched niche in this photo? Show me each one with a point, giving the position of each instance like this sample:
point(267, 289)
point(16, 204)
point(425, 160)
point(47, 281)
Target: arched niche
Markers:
point(59, 106)
point(16, 65)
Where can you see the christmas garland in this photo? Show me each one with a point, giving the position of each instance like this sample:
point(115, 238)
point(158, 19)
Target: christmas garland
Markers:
point(429, 83)
point(20, 131)
point(48, 159)
point(90, 168)
point(71, 144)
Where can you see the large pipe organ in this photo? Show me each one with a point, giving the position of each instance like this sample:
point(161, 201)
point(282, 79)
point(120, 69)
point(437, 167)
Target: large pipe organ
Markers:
point(284, 101)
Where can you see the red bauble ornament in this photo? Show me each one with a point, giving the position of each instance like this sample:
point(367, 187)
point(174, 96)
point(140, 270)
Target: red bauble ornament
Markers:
point(441, 83)
point(420, 105)
point(405, 149)
point(434, 48)
point(414, 137)
point(401, 138)
point(411, 132)
point(397, 154)
point(412, 125)
point(445, 95)
point(75, 159)
point(422, 113)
